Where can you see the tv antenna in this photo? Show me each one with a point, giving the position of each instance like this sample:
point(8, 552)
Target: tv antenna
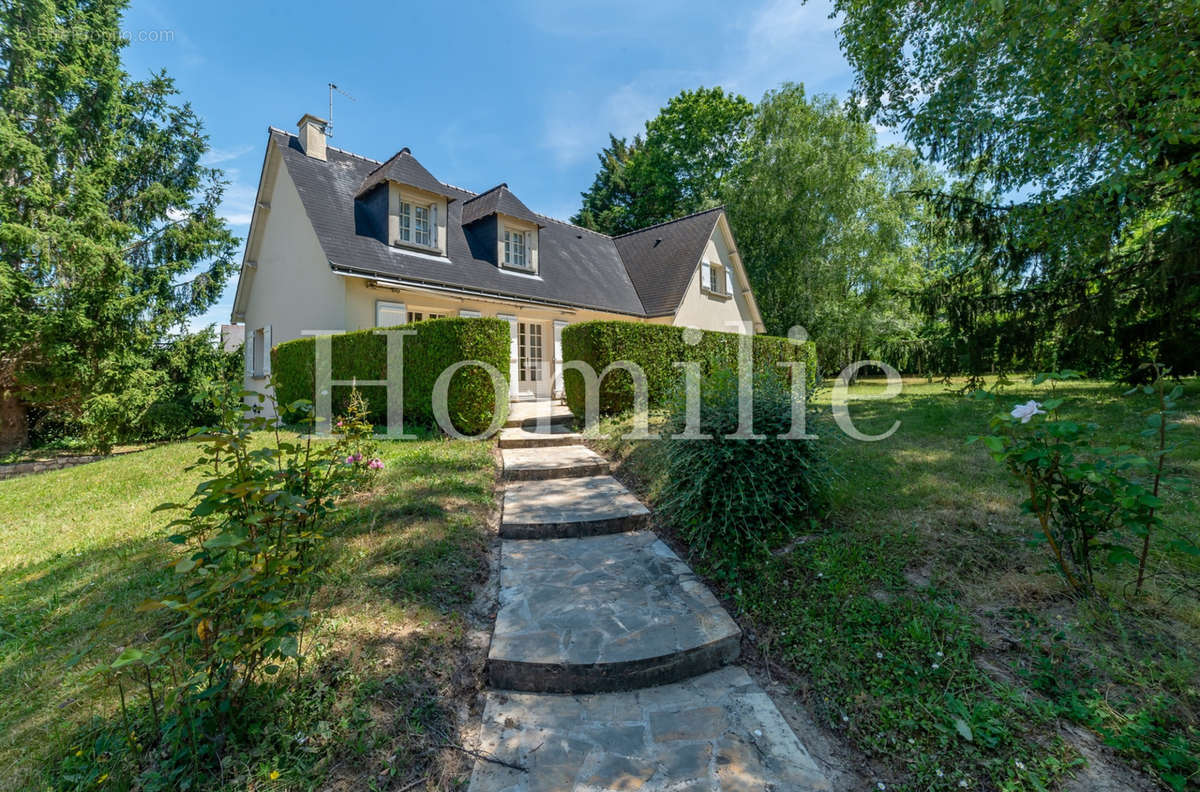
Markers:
point(332, 88)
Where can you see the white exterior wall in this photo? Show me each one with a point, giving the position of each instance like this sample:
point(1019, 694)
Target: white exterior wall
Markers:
point(293, 289)
point(709, 311)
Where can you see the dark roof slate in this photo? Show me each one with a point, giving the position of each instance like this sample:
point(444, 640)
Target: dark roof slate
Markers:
point(499, 199)
point(579, 268)
point(403, 168)
point(660, 259)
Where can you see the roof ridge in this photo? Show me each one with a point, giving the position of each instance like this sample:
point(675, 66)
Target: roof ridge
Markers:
point(720, 207)
point(273, 128)
point(501, 185)
point(572, 225)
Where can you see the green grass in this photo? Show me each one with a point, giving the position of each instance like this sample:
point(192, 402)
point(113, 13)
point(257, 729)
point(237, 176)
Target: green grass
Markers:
point(80, 548)
point(926, 552)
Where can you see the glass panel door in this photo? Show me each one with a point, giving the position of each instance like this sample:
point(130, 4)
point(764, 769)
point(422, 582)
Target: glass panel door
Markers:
point(529, 351)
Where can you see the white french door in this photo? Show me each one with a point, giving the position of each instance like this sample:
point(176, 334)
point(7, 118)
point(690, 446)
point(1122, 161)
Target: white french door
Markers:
point(532, 374)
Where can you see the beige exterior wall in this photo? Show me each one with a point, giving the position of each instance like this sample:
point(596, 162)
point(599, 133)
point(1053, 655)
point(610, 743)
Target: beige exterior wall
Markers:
point(293, 289)
point(708, 311)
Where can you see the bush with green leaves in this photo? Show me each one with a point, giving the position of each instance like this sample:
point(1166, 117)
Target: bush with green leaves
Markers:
point(1088, 498)
point(728, 496)
point(438, 344)
point(249, 565)
point(655, 348)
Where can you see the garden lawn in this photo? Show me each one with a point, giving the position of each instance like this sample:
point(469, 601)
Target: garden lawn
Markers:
point(81, 548)
point(920, 624)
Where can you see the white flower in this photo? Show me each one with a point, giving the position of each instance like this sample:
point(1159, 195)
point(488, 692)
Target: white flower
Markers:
point(936, 666)
point(881, 785)
point(939, 772)
point(1027, 410)
point(1020, 765)
point(879, 655)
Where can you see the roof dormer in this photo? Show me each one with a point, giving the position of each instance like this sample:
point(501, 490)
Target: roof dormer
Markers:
point(502, 230)
point(402, 204)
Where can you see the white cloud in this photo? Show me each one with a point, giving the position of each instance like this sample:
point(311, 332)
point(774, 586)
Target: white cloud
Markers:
point(218, 155)
point(237, 204)
point(785, 40)
point(578, 127)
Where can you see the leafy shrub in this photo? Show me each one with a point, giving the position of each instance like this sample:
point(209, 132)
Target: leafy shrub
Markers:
point(1087, 498)
point(438, 344)
point(729, 496)
point(655, 348)
point(249, 565)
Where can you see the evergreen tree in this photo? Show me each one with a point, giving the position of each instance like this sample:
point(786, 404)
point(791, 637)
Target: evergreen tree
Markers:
point(109, 233)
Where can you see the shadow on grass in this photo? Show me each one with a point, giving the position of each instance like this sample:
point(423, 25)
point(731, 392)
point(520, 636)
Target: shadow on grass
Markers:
point(409, 550)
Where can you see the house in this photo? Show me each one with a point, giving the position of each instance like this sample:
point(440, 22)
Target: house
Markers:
point(342, 242)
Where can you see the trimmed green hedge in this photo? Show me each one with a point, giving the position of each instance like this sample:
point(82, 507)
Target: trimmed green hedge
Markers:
point(655, 348)
point(438, 344)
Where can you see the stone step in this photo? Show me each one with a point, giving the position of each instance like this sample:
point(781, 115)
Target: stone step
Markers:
point(528, 464)
point(520, 437)
point(603, 613)
point(719, 731)
point(586, 506)
point(528, 413)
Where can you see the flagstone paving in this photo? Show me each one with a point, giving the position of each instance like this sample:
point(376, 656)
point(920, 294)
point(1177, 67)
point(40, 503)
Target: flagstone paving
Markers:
point(717, 732)
point(521, 437)
point(573, 461)
point(604, 613)
point(608, 661)
point(584, 506)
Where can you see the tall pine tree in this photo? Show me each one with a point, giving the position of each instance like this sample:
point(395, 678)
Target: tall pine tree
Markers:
point(109, 232)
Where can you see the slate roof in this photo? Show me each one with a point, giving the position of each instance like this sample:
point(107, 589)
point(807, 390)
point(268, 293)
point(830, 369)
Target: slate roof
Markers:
point(578, 268)
point(498, 199)
point(404, 168)
point(651, 255)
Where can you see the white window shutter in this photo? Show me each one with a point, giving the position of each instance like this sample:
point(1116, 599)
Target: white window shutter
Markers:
point(468, 314)
point(728, 280)
point(266, 367)
point(705, 275)
point(248, 351)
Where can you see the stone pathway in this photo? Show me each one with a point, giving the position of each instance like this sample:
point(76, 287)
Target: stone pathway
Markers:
point(609, 659)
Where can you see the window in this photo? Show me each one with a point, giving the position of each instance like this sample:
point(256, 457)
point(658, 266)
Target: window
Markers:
point(514, 249)
point(418, 224)
point(419, 316)
point(713, 278)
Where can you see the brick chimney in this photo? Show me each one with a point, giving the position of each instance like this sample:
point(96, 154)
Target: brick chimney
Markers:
point(312, 136)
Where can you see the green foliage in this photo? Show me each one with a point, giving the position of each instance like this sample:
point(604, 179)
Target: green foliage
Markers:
point(1086, 497)
point(438, 344)
point(895, 668)
point(109, 232)
point(677, 167)
point(1090, 114)
point(247, 570)
point(829, 225)
point(655, 348)
point(1155, 730)
point(731, 497)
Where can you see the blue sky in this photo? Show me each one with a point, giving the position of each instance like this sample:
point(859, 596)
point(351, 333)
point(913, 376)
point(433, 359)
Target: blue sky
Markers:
point(524, 93)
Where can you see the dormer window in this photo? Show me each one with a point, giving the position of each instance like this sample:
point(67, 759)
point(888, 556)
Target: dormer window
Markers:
point(418, 224)
point(417, 219)
point(514, 249)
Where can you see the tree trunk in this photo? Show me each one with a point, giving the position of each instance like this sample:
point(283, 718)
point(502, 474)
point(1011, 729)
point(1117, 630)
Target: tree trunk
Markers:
point(14, 431)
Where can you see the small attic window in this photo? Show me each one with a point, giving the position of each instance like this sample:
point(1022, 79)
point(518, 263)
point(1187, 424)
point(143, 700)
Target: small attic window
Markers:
point(515, 249)
point(418, 224)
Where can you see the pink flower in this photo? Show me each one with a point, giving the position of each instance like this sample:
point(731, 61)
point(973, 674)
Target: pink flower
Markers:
point(339, 423)
point(349, 460)
point(375, 464)
point(358, 457)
